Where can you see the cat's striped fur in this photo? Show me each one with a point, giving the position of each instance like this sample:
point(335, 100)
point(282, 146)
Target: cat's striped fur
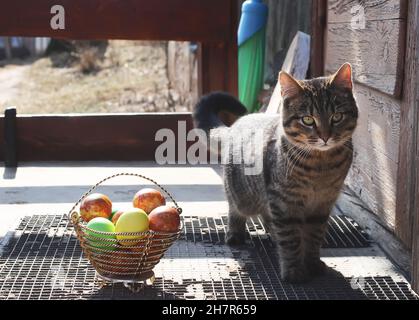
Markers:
point(302, 175)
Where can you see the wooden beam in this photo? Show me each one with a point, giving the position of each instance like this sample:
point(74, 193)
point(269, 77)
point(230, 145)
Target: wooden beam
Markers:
point(406, 191)
point(413, 48)
point(217, 68)
point(10, 145)
point(217, 62)
point(8, 47)
point(296, 63)
point(188, 20)
point(318, 33)
point(297, 60)
point(92, 137)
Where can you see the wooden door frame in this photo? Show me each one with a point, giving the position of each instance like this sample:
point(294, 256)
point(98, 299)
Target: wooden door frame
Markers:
point(213, 24)
point(407, 202)
point(411, 109)
point(318, 37)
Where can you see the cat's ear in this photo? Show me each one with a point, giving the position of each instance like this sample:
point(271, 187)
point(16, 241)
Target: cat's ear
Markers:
point(343, 77)
point(289, 86)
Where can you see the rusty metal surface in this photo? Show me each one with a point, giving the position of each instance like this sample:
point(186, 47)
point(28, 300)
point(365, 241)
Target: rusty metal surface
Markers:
point(43, 260)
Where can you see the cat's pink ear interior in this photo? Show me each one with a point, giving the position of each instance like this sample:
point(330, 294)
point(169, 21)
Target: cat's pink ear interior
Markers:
point(343, 77)
point(289, 86)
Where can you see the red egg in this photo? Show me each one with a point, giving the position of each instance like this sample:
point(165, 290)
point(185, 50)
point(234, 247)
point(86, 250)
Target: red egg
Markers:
point(164, 219)
point(116, 216)
point(95, 205)
point(148, 199)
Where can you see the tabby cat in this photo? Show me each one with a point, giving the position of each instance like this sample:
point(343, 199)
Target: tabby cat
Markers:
point(307, 152)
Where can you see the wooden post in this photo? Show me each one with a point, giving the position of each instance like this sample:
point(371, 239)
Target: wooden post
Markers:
point(7, 47)
point(413, 98)
point(217, 68)
point(218, 61)
point(406, 193)
point(318, 27)
point(10, 158)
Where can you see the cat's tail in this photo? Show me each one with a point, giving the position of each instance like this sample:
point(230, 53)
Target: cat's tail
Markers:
point(217, 109)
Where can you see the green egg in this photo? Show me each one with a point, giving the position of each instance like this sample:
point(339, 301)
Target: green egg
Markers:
point(102, 225)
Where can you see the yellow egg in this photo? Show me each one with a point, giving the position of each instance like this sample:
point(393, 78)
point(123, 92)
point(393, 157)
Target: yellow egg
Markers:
point(133, 220)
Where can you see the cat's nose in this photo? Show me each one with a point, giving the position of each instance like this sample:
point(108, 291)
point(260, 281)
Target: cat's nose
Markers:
point(325, 138)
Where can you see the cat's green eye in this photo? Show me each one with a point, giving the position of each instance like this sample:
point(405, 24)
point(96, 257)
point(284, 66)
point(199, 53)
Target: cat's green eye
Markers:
point(308, 121)
point(337, 117)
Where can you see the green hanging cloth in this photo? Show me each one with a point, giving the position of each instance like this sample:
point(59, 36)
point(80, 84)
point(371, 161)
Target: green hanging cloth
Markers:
point(251, 70)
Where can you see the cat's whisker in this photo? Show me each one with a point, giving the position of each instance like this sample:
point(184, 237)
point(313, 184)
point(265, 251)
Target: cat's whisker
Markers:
point(295, 149)
point(309, 150)
point(294, 159)
point(298, 159)
point(301, 156)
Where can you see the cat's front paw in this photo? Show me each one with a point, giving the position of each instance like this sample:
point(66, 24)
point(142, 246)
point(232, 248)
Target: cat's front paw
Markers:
point(316, 267)
point(294, 275)
point(235, 239)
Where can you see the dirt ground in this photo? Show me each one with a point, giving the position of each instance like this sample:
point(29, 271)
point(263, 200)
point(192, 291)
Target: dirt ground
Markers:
point(131, 77)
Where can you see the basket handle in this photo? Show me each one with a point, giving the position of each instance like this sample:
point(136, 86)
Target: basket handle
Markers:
point(179, 210)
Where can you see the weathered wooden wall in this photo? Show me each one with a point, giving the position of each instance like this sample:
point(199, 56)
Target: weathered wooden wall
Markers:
point(373, 176)
point(377, 55)
point(375, 49)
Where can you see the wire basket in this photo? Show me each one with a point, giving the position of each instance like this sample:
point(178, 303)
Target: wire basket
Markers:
point(129, 261)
